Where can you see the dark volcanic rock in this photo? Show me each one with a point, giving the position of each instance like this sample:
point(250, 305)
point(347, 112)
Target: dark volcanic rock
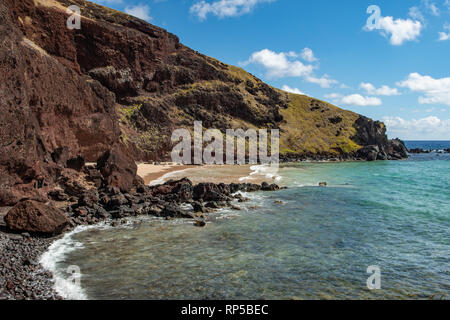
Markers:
point(370, 153)
point(397, 150)
point(418, 151)
point(210, 192)
point(174, 211)
point(179, 191)
point(118, 170)
point(269, 187)
point(36, 217)
point(376, 146)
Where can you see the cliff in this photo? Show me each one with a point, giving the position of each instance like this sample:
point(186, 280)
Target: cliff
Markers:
point(118, 87)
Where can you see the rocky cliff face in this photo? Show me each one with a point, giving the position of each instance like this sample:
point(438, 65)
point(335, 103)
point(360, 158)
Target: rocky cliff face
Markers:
point(121, 84)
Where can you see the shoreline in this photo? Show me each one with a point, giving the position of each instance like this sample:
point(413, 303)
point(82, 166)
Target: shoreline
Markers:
point(152, 172)
point(35, 282)
point(21, 254)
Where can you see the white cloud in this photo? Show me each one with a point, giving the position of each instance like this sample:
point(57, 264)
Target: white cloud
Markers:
point(431, 7)
point(383, 91)
point(308, 55)
point(292, 90)
point(279, 65)
point(139, 11)
point(431, 128)
point(415, 13)
point(324, 82)
point(400, 30)
point(285, 64)
point(224, 8)
point(444, 36)
point(354, 100)
point(434, 90)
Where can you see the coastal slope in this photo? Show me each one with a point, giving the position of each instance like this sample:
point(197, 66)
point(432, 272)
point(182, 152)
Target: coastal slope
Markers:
point(115, 90)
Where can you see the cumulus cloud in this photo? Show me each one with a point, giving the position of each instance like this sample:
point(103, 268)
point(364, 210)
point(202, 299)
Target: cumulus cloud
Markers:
point(139, 11)
point(434, 90)
point(279, 65)
point(400, 30)
point(354, 100)
point(383, 91)
point(444, 36)
point(292, 90)
point(431, 128)
point(285, 64)
point(225, 8)
point(324, 82)
point(308, 55)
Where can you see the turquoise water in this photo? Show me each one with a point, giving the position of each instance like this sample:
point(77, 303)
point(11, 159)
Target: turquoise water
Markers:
point(318, 244)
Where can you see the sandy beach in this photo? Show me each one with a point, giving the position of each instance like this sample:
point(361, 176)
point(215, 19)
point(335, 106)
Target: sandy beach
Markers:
point(156, 174)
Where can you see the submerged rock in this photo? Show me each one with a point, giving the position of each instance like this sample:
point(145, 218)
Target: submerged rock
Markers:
point(199, 223)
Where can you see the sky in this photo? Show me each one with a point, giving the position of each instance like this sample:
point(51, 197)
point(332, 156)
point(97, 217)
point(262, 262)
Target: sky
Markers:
point(386, 59)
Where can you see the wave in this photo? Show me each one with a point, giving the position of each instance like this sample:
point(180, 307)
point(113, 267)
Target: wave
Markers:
point(165, 177)
point(268, 171)
point(56, 254)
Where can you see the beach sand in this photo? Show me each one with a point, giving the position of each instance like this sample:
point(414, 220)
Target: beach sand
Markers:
point(157, 174)
point(152, 172)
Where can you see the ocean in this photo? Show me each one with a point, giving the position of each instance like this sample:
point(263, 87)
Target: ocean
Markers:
point(318, 243)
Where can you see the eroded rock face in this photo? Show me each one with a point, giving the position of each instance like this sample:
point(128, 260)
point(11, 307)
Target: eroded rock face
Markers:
point(50, 112)
point(118, 169)
point(376, 146)
point(36, 217)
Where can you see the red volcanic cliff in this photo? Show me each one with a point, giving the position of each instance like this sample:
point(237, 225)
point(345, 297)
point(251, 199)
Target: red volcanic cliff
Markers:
point(117, 88)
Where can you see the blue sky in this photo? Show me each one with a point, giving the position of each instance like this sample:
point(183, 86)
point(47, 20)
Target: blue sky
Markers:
point(396, 70)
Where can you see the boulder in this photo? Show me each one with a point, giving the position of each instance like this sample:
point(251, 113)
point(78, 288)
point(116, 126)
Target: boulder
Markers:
point(174, 190)
point(397, 149)
point(36, 217)
point(199, 223)
point(118, 170)
point(269, 187)
point(173, 211)
point(370, 153)
point(210, 192)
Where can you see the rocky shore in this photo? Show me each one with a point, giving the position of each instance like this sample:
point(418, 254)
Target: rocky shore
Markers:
point(21, 276)
point(28, 228)
point(422, 151)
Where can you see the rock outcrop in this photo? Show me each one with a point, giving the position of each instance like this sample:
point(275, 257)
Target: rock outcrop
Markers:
point(372, 135)
point(117, 169)
point(35, 217)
